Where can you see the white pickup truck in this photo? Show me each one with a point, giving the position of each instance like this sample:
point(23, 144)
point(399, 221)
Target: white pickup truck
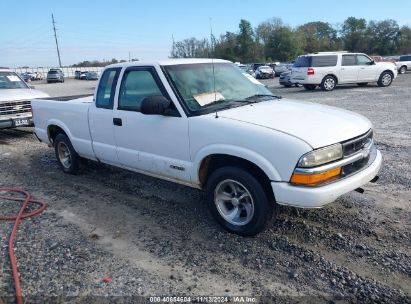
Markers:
point(206, 124)
point(15, 96)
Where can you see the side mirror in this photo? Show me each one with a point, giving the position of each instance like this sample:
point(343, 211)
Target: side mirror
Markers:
point(155, 105)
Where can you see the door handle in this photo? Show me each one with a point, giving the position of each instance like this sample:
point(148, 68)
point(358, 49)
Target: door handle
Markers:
point(117, 122)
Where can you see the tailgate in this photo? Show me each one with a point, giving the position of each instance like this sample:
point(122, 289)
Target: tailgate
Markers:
point(298, 73)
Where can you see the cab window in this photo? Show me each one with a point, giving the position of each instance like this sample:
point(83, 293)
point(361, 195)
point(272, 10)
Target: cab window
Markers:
point(363, 60)
point(107, 88)
point(137, 84)
point(348, 60)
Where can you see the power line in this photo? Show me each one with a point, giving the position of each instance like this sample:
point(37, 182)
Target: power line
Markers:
point(55, 37)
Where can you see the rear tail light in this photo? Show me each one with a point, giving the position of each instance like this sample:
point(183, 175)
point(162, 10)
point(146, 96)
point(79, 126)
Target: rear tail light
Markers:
point(310, 71)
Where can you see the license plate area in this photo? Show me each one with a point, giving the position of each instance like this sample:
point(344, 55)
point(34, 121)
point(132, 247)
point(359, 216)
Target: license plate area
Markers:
point(21, 122)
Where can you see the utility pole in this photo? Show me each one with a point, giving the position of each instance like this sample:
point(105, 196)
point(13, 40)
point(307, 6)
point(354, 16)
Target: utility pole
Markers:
point(55, 37)
point(173, 51)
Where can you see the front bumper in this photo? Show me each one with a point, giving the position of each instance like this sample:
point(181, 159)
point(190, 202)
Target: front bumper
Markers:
point(14, 122)
point(315, 197)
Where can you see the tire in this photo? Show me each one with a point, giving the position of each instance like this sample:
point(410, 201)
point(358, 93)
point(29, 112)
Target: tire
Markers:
point(329, 83)
point(385, 79)
point(69, 161)
point(253, 211)
point(362, 84)
point(309, 87)
point(287, 85)
point(402, 69)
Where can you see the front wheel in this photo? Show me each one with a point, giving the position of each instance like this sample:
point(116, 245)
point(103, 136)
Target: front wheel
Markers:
point(238, 201)
point(67, 157)
point(385, 79)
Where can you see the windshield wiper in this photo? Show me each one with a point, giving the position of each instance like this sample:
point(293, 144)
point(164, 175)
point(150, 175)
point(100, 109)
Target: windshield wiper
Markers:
point(258, 96)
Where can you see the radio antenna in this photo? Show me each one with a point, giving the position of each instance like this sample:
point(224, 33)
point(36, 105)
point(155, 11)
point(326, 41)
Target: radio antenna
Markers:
point(212, 61)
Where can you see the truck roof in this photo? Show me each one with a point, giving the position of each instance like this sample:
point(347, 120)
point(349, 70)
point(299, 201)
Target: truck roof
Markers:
point(169, 62)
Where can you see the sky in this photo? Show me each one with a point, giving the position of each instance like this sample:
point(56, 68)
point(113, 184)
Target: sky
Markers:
point(101, 30)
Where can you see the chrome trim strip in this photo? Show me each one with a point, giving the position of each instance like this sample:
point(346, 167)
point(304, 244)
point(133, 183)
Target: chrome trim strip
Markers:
point(343, 162)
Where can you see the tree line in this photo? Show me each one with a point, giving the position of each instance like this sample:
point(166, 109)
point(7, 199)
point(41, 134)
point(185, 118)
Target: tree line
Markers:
point(273, 40)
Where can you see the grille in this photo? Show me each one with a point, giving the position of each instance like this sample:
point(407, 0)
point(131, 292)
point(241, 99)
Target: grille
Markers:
point(15, 108)
point(354, 145)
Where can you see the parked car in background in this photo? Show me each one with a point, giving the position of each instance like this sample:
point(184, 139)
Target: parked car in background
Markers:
point(91, 75)
point(391, 58)
point(26, 76)
point(38, 76)
point(55, 75)
point(83, 75)
point(279, 69)
point(327, 69)
point(77, 74)
point(253, 67)
point(264, 72)
point(403, 64)
point(15, 96)
point(285, 80)
point(243, 67)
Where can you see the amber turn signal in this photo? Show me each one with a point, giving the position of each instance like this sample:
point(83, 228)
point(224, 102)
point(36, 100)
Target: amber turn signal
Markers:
point(316, 178)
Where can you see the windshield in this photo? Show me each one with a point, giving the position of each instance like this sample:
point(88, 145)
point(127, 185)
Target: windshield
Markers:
point(10, 80)
point(201, 93)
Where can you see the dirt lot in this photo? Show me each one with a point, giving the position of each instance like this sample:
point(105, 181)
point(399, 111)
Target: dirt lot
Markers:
point(157, 238)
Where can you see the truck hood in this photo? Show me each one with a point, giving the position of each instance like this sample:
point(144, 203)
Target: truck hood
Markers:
point(21, 94)
point(317, 125)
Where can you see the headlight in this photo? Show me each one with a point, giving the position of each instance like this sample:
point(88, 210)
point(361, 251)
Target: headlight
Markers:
point(321, 156)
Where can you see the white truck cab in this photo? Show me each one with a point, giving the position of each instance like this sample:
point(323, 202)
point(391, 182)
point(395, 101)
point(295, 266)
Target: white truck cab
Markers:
point(207, 124)
point(328, 69)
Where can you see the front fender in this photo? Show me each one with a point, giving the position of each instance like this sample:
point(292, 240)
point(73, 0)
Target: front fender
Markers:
point(232, 150)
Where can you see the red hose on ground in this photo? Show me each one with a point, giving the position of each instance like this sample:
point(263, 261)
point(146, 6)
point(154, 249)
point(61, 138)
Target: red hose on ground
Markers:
point(21, 215)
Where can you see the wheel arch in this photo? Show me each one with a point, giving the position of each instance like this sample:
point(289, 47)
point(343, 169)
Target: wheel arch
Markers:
point(212, 162)
point(54, 128)
point(332, 75)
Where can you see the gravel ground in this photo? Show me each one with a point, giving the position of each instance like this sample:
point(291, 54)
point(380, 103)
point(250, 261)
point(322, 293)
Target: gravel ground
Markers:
point(152, 237)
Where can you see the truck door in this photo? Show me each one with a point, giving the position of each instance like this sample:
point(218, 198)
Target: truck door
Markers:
point(368, 70)
point(154, 144)
point(349, 69)
point(101, 117)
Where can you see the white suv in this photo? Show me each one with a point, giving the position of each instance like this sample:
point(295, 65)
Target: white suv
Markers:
point(404, 64)
point(327, 69)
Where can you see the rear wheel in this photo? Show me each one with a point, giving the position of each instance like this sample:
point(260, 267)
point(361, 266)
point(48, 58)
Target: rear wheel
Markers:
point(403, 69)
point(329, 83)
point(238, 201)
point(310, 87)
point(385, 79)
point(67, 157)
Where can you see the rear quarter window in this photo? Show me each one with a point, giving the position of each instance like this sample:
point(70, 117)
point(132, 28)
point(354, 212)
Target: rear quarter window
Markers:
point(324, 61)
point(302, 62)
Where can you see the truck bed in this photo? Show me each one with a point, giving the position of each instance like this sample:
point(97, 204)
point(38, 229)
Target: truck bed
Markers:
point(70, 115)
